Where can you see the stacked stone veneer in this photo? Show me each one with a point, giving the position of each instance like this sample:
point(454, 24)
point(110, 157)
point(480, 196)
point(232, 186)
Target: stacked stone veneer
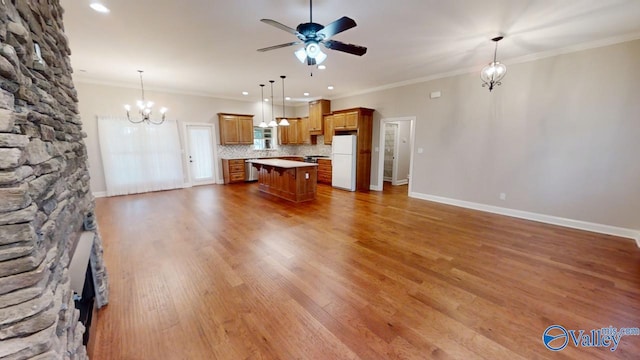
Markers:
point(44, 186)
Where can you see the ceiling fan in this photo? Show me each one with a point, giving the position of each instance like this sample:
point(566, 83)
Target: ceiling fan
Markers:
point(312, 35)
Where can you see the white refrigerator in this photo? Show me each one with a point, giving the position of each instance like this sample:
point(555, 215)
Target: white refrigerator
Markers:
point(343, 162)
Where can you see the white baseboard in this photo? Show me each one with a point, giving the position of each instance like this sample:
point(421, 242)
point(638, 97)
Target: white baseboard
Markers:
point(99, 194)
point(401, 182)
point(375, 187)
point(570, 223)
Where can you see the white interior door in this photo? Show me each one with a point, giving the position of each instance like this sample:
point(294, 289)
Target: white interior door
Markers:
point(200, 154)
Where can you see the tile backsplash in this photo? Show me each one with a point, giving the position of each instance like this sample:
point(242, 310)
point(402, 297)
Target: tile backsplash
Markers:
point(247, 151)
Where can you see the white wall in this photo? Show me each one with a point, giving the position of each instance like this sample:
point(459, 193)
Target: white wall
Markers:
point(560, 137)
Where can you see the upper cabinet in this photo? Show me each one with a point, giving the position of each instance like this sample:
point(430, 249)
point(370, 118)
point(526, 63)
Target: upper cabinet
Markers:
point(328, 129)
point(297, 133)
point(317, 110)
point(340, 121)
point(236, 129)
point(304, 135)
point(345, 120)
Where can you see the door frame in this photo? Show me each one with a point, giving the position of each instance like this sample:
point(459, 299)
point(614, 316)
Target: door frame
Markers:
point(381, 126)
point(214, 153)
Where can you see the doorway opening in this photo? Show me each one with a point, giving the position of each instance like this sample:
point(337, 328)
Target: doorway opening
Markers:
point(395, 156)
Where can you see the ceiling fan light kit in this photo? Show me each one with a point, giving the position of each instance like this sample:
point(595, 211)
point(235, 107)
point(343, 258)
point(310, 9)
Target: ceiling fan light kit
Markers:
point(313, 34)
point(493, 73)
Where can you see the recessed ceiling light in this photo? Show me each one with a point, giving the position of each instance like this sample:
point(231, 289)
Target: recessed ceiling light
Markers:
point(100, 8)
point(266, 100)
point(330, 87)
point(245, 93)
point(288, 98)
point(322, 67)
point(306, 94)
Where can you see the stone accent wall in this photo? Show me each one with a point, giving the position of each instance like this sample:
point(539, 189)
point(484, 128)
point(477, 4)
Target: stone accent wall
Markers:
point(44, 186)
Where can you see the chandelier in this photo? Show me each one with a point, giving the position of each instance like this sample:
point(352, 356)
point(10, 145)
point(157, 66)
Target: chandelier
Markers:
point(144, 109)
point(493, 73)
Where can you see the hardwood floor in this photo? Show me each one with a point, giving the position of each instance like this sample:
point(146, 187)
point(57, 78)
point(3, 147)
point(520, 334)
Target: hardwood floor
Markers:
point(226, 272)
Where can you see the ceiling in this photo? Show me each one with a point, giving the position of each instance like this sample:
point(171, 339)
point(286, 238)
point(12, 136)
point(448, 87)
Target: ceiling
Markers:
point(208, 47)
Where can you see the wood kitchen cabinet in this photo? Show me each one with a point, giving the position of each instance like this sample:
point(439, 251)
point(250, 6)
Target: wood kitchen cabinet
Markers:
point(292, 130)
point(317, 110)
point(284, 133)
point(233, 170)
point(345, 120)
point(328, 129)
point(324, 171)
point(304, 135)
point(339, 121)
point(236, 129)
point(297, 133)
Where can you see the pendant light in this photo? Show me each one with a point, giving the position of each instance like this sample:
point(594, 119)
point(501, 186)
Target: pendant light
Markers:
point(493, 73)
point(284, 121)
point(273, 122)
point(262, 123)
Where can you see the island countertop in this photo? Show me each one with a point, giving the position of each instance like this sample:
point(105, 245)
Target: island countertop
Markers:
point(284, 164)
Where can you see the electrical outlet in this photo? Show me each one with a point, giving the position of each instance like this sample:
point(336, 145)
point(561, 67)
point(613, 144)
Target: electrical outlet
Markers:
point(503, 196)
point(306, 175)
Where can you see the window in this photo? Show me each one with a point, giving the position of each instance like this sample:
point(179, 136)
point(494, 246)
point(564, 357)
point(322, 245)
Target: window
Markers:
point(262, 139)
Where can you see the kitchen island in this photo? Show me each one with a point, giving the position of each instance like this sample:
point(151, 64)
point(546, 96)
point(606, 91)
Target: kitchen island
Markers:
point(291, 180)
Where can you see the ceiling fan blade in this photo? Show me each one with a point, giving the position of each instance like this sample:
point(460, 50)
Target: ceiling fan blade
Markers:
point(280, 26)
point(336, 27)
point(348, 48)
point(280, 46)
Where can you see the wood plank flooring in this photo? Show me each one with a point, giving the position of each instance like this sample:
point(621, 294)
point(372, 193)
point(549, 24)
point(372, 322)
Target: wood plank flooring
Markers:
point(227, 272)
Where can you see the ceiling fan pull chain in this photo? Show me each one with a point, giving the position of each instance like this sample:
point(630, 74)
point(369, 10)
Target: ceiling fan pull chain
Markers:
point(310, 11)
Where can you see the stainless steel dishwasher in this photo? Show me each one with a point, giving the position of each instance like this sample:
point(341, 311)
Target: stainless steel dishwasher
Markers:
point(251, 172)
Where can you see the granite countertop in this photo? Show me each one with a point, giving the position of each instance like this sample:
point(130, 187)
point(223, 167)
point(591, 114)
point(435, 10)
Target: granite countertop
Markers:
point(285, 164)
